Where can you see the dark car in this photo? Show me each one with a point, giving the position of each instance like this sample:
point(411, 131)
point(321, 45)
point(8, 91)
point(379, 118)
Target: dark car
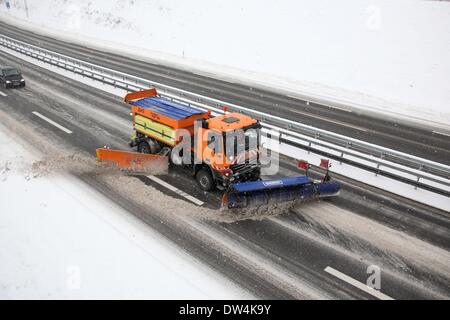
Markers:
point(11, 77)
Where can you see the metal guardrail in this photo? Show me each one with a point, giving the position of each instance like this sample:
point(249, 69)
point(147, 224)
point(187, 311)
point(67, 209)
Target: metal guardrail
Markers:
point(315, 140)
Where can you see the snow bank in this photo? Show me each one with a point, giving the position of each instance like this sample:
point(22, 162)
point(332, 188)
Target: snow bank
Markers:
point(385, 56)
point(95, 250)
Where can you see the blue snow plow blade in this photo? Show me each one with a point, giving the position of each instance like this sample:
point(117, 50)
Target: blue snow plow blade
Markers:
point(259, 193)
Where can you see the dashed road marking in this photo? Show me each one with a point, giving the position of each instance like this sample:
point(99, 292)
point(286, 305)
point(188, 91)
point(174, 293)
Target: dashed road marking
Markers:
point(357, 284)
point(52, 122)
point(176, 190)
point(340, 108)
point(3, 94)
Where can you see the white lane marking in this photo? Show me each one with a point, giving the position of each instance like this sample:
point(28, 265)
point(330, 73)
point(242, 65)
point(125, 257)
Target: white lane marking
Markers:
point(52, 122)
point(357, 284)
point(339, 108)
point(442, 133)
point(3, 94)
point(176, 190)
point(328, 120)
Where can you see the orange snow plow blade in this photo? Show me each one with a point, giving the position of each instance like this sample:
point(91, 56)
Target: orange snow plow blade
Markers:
point(134, 161)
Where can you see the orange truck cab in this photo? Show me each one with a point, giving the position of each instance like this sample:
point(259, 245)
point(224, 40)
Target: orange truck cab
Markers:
point(219, 150)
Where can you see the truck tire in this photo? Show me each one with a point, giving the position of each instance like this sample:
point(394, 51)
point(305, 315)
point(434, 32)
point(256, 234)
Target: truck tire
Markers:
point(144, 147)
point(205, 180)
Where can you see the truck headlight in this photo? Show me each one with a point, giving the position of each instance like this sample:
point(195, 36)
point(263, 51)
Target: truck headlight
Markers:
point(8, 81)
point(227, 173)
point(22, 80)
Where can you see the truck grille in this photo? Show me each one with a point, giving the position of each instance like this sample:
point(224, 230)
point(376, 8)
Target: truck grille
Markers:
point(244, 167)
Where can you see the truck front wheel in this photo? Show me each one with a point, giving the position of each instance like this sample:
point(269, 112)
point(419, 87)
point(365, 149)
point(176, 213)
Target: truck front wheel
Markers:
point(144, 147)
point(205, 180)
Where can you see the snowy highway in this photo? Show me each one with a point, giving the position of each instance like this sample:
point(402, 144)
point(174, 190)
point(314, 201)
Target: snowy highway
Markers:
point(320, 250)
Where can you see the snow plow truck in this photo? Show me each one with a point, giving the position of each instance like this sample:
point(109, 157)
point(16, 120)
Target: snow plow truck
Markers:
point(221, 151)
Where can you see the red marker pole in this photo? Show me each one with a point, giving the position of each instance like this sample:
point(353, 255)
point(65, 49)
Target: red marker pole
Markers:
point(325, 164)
point(303, 165)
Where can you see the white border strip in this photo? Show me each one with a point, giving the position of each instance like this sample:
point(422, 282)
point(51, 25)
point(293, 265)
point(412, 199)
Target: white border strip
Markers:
point(3, 94)
point(176, 190)
point(357, 284)
point(52, 122)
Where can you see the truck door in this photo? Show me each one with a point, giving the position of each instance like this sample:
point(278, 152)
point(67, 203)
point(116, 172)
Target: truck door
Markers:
point(214, 150)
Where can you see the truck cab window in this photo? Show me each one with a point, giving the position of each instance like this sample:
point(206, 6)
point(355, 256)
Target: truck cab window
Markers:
point(214, 141)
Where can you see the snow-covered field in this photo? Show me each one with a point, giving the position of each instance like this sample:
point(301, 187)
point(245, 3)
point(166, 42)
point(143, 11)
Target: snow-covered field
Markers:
point(379, 55)
point(95, 250)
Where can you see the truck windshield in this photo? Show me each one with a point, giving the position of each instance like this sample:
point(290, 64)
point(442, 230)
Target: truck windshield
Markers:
point(11, 72)
point(240, 141)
